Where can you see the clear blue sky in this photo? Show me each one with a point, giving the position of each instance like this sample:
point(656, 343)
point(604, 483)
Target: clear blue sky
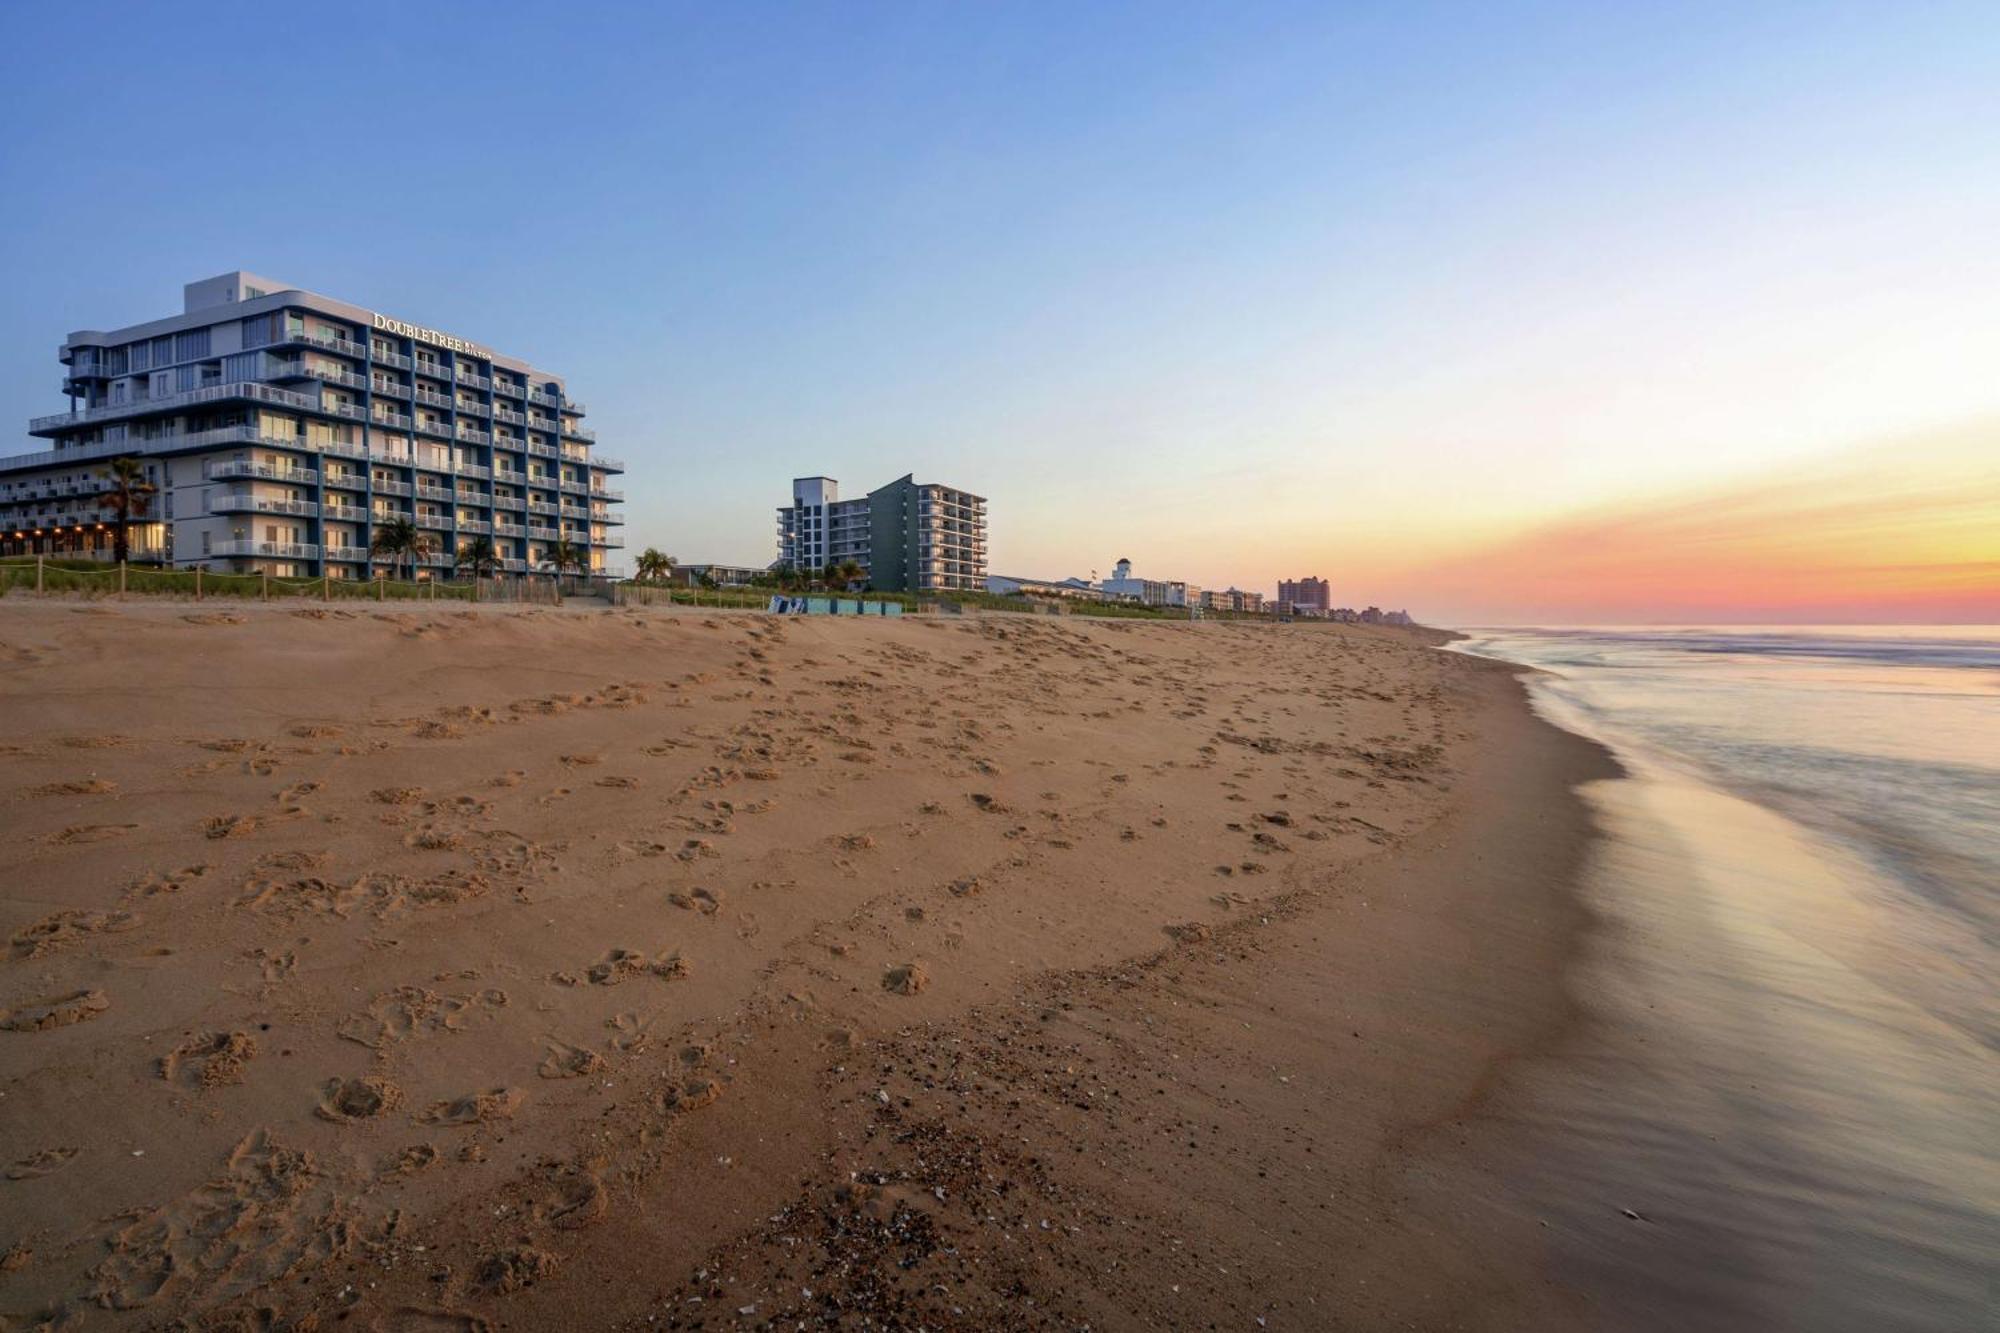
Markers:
point(1240, 291)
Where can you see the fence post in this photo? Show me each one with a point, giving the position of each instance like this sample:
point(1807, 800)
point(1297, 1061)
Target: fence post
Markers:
point(197, 583)
point(38, 571)
point(381, 589)
point(433, 593)
point(326, 587)
point(121, 578)
point(266, 595)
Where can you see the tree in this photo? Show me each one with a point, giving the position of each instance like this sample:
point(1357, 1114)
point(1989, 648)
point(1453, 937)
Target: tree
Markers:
point(400, 538)
point(562, 555)
point(654, 567)
point(476, 556)
point(128, 500)
point(844, 573)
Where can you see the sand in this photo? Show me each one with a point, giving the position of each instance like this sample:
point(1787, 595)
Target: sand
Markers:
point(438, 968)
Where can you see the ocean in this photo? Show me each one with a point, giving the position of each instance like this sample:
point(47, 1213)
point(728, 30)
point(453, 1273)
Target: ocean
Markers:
point(1782, 1108)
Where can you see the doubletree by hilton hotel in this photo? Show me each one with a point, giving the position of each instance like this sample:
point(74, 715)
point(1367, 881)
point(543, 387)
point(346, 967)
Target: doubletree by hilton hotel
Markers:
point(281, 427)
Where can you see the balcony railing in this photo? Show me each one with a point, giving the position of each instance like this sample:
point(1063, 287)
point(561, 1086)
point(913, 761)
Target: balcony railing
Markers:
point(242, 503)
point(474, 525)
point(340, 345)
point(278, 550)
point(509, 502)
point(471, 436)
point(396, 359)
point(606, 462)
point(391, 388)
point(434, 399)
point(471, 470)
point(606, 493)
point(442, 428)
point(214, 393)
point(476, 409)
point(473, 380)
point(508, 387)
point(578, 432)
point(345, 513)
point(437, 370)
point(394, 420)
point(303, 476)
point(384, 486)
point(509, 530)
point(440, 522)
point(511, 418)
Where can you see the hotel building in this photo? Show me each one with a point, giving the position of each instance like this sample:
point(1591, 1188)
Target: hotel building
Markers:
point(281, 427)
point(906, 536)
point(1305, 597)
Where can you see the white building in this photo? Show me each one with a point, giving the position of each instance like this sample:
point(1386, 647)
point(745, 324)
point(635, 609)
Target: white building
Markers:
point(1152, 592)
point(282, 428)
point(907, 536)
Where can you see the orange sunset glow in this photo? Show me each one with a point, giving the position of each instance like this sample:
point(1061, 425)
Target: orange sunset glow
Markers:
point(1907, 531)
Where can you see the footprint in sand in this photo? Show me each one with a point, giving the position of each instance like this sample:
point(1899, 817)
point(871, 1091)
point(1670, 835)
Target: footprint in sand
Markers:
point(46, 1162)
point(228, 826)
point(507, 1271)
point(475, 1108)
point(209, 1059)
point(75, 787)
point(41, 1015)
point(78, 833)
point(344, 1100)
point(906, 979)
point(706, 901)
point(417, 1157)
point(59, 930)
point(566, 1061)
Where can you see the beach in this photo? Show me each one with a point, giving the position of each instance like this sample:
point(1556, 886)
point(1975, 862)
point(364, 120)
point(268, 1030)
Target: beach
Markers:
point(449, 967)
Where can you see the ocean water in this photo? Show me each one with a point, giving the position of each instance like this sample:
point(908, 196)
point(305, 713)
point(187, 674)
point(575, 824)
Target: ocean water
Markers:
point(1783, 1108)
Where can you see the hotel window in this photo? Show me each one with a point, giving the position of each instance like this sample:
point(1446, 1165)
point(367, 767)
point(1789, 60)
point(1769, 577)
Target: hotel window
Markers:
point(191, 346)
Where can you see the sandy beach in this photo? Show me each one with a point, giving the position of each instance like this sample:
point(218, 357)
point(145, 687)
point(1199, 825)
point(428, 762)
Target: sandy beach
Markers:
point(451, 968)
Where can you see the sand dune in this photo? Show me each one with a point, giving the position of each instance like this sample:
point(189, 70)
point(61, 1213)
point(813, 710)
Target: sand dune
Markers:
point(434, 967)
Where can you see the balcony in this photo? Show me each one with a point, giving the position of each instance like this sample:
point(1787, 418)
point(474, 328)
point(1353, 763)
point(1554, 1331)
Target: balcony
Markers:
point(509, 502)
point(437, 370)
point(303, 476)
point(471, 470)
point(509, 387)
point(245, 503)
point(393, 420)
point(395, 359)
point(471, 436)
point(575, 511)
point(541, 450)
point(389, 388)
point(509, 530)
point(607, 540)
point(429, 399)
point(173, 402)
point(433, 492)
point(540, 399)
point(436, 522)
point(474, 525)
point(340, 345)
point(543, 534)
point(344, 377)
point(473, 380)
point(276, 550)
point(538, 507)
point(606, 493)
point(509, 417)
point(339, 447)
point(606, 463)
point(583, 433)
point(475, 409)
point(350, 481)
point(334, 513)
point(384, 486)
point(434, 427)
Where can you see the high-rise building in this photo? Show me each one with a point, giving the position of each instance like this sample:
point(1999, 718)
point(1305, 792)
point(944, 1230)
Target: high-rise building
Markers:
point(1303, 596)
point(283, 427)
point(908, 536)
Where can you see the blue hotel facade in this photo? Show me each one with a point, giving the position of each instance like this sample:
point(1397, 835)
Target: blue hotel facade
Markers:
point(282, 427)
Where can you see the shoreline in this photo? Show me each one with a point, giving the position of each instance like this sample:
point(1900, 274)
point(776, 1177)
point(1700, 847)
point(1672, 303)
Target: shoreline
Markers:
point(1107, 1077)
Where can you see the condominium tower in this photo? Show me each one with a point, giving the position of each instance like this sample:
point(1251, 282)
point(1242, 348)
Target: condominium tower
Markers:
point(907, 536)
point(282, 427)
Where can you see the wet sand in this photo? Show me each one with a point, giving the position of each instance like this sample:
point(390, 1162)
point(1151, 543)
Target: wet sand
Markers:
point(539, 968)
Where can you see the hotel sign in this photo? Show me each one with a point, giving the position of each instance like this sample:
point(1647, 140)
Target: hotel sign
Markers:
point(436, 339)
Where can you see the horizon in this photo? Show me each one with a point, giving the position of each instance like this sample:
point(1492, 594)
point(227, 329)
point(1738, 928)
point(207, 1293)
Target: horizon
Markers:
point(1502, 317)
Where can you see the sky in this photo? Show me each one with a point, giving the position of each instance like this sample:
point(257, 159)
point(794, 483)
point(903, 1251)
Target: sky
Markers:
point(1481, 310)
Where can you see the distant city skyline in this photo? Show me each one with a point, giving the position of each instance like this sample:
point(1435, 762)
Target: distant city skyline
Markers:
point(1504, 314)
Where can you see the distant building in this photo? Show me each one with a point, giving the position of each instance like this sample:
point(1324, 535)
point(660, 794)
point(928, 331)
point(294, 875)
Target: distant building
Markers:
point(724, 576)
point(1305, 597)
point(1372, 616)
point(1153, 592)
point(1233, 599)
point(1006, 585)
point(907, 536)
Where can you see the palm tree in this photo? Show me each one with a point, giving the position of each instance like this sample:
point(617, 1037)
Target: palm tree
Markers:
point(399, 537)
point(128, 500)
point(653, 567)
point(844, 573)
point(476, 556)
point(563, 554)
